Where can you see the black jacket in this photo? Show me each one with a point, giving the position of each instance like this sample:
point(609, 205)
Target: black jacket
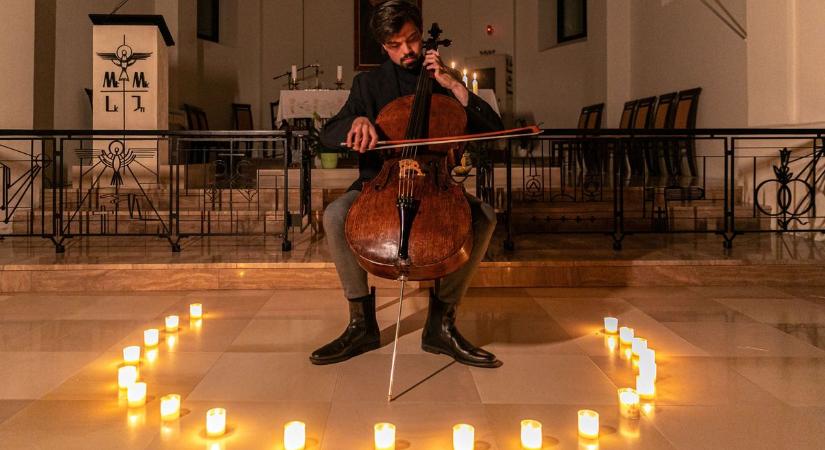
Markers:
point(371, 91)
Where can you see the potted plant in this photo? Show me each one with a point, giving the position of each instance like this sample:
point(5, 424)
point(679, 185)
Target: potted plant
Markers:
point(327, 157)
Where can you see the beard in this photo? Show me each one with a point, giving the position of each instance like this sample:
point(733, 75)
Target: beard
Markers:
point(411, 61)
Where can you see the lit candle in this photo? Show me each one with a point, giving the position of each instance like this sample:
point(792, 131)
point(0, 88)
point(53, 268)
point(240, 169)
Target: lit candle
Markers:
point(464, 437)
point(464, 79)
point(629, 403)
point(452, 65)
point(126, 376)
point(648, 409)
point(647, 356)
point(611, 325)
point(195, 311)
point(384, 436)
point(475, 83)
point(136, 394)
point(648, 371)
point(626, 335)
point(215, 422)
point(638, 344)
point(170, 407)
point(151, 337)
point(172, 324)
point(295, 435)
point(645, 387)
point(588, 424)
point(339, 75)
point(530, 434)
point(131, 354)
point(294, 73)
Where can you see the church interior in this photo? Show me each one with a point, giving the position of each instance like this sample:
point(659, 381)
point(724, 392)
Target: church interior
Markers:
point(650, 277)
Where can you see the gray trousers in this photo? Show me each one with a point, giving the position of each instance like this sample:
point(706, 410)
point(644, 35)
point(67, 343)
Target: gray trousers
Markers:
point(354, 279)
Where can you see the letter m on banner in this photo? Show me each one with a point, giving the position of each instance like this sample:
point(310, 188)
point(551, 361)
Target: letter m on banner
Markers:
point(110, 80)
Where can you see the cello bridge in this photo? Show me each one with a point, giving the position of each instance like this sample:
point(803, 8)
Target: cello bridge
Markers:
point(408, 168)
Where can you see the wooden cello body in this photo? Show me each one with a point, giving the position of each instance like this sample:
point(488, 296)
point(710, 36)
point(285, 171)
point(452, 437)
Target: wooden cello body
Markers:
point(412, 221)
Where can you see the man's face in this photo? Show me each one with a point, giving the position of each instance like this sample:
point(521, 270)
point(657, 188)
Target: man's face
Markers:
point(404, 48)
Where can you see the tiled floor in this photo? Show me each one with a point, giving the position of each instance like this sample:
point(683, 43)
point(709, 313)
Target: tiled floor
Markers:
point(739, 368)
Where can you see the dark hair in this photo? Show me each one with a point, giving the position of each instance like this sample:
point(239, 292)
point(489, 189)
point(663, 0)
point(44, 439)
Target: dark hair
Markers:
point(390, 16)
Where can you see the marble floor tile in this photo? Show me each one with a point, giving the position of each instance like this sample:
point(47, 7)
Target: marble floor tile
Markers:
point(810, 333)
point(80, 425)
point(724, 427)
point(795, 381)
point(129, 306)
point(739, 291)
point(30, 375)
point(555, 379)
point(560, 422)
point(778, 310)
point(286, 335)
point(418, 425)
point(417, 379)
point(743, 339)
point(304, 304)
point(222, 304)
point(40, 306)
point(70, 336)
point(691, 381)
point(267, 377)
point(691, 308)
point(8, 408)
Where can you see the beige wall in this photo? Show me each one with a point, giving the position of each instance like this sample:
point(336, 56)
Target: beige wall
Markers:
point(17, 61)
point(680, 45)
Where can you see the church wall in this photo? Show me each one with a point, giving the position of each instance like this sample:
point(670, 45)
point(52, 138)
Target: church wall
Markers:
point(17, 61)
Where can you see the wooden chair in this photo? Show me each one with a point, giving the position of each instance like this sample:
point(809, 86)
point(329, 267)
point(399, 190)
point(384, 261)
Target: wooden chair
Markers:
point(627, 115)
point(196, 120)
point(684, 118)
point(242, 120)
point(662, 120)
point(591, 119)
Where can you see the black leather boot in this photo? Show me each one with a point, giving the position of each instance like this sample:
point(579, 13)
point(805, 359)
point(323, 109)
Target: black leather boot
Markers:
point(441, 336)
point(362, 334)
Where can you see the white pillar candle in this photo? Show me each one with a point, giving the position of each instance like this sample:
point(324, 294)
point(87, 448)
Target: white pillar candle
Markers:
point(647, 356)
point(136, 394)
point(215, 422)
point(611, 325)
point(294, 73)
point(588, 424)
point(464, 79)
point(384, 436)
point(475, 83)
point(530, 434)
point(645, 387)
point(195, 311)
point(648, 371)
point(626, 335)
point(295, 435)
point(339, 75)
point(629, 403)
point(151, 337)
point(131, 354)
point(452, 65)
point(464, 437)
point(126, 376)
point(637, 345)
point(172, 323)
point(170, 407)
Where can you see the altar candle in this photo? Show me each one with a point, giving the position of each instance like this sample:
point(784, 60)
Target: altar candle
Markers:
point(464, 79)
point(475, 83)
point(463, 437)
point(126, 376)
point(530, 434)
point(172, 324)
point(195, 311)
point(452, 65)
point(625, 335)
point(588, 424)
point(215, 422)
point(637, 345)
point(151, 337)
point(339, 75)
point(294, 73)
point(131, 354)
point(170, 407)
point(384, 436)
point(629, 403)
point(136, 394)
point(611, 325)
point(645, 387)
point(295, 435)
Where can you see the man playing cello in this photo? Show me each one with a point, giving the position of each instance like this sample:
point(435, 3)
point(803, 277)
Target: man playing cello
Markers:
point(397, 25)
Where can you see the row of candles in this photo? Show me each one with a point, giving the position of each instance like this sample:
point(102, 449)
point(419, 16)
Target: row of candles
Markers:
point(339, 74)
point(466, 80)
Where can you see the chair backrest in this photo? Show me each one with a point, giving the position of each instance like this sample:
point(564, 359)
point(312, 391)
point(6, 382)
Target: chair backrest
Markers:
point(583, 118)
point(594, 116)
point(686, 108)
point(242, 116)
point(643, 115)
point(627, 114)
point(195, 117)
point(663, 117)
point(273, 115)
point(177, 120)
